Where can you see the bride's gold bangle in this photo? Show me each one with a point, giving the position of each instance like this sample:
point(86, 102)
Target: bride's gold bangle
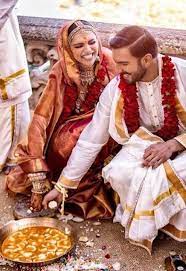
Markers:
point(37, 176)
point(39, 186)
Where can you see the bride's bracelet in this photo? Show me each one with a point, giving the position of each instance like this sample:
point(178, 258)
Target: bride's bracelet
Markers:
point(37, 176)
point(38, 180)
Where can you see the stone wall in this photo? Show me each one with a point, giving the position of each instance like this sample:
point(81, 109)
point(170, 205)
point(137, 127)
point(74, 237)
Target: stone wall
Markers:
point(40, 34)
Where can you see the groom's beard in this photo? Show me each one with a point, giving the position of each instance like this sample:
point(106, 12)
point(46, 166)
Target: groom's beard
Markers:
point(132, 78)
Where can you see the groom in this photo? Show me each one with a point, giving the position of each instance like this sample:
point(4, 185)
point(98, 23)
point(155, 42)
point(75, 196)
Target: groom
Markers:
point(144, 110)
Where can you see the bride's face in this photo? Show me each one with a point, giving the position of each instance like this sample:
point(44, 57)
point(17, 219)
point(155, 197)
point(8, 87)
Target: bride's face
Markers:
point(84, 47)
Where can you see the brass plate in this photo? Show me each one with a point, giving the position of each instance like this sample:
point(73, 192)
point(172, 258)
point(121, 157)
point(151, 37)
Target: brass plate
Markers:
point(32, 225)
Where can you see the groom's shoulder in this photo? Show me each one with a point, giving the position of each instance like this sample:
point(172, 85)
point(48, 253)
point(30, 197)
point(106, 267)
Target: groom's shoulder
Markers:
point(114, 82)
point(179, 61)
point(111, 88)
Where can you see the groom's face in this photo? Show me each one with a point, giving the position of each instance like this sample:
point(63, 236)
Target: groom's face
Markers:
point(129, 66)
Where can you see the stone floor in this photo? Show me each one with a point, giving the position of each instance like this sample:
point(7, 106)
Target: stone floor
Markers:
point(111, 236)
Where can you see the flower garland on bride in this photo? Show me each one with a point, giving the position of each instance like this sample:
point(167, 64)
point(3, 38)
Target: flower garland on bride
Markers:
point(94, 91)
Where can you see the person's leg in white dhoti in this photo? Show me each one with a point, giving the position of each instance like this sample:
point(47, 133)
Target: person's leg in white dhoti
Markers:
point(150, 199)
point(14, 123)
point(177, 224)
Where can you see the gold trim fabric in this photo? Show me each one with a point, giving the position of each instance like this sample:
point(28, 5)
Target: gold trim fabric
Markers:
point(13, 109)
point(68, 183)
point(119, 117)
point(143, 134)
point(177, 234)
point(4, 81)
point(146, 244)
point(175, 181)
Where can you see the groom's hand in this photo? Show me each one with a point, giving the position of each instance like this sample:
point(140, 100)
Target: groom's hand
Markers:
point(158, 153)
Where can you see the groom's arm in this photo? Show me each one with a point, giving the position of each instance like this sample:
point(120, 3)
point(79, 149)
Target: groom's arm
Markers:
point(91, 141)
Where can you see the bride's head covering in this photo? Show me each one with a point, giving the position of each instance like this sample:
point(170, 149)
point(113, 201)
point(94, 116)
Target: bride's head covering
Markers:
point(68, 62)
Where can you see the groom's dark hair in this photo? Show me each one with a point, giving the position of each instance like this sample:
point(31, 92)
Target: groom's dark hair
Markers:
point(139, 41)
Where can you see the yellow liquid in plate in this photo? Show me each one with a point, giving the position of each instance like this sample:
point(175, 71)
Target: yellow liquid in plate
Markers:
point(36, 244)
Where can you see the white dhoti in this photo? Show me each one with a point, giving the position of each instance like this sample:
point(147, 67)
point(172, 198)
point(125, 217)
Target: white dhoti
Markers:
point(15, 87)
point(14, 122)
point(150, 199)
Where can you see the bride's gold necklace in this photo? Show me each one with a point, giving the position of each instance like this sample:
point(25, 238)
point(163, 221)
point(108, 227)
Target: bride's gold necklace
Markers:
point(87, 77)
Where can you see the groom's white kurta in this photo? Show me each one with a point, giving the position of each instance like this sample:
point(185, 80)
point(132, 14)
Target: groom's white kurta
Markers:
point(150, 199)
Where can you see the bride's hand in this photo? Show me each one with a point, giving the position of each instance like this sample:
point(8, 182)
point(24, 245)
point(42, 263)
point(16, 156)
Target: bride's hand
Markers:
point(36, 202)
point(38, 180)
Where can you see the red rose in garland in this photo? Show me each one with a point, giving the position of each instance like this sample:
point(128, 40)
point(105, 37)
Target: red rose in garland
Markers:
point(168, 92)
point(93, 93)
point(95, 89)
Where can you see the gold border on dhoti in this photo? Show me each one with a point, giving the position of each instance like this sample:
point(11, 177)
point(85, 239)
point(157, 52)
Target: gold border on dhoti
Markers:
point(146, 244)
point(116, 197)
point(4, 81)
point(137, 215)
point(164, 195)
point(13, 110)
point(175, 180)
point(177, 185)
point(175, 233)
point(144, 213)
